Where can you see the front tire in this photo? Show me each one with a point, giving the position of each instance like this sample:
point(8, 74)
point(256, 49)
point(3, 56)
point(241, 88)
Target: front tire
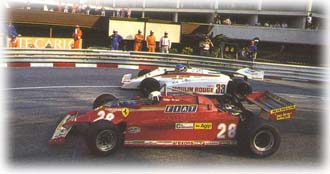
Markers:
point(103, 99)
point(149, 85)
point(103, 138)
point(258, 138)
point(239, 88)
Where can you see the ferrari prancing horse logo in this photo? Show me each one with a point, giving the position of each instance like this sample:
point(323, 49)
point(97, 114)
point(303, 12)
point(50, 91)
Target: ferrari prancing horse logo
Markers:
point(125, 112)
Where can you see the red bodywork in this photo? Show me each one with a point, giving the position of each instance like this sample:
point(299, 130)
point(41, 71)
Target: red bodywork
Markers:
point(190, 120)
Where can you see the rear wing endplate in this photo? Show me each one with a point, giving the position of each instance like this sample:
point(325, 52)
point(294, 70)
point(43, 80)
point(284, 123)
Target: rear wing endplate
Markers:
point(277, 107)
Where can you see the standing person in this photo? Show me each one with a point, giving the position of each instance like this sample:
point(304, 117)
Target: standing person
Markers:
point(151, 42)
point(115, 40)
point(165, 43)
point(309, 21)
point(138, 39)
point(12, 34)
point(77, 34)
point(205, 46)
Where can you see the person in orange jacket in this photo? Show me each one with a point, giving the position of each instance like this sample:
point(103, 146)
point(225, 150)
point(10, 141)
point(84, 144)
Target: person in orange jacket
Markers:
point(138, 39)
point(151, 42)
point(77, 34)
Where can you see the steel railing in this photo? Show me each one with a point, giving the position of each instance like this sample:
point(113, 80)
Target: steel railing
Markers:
point(271, 70)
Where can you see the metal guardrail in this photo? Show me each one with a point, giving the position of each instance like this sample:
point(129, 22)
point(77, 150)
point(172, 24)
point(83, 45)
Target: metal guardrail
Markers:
point(305, 73)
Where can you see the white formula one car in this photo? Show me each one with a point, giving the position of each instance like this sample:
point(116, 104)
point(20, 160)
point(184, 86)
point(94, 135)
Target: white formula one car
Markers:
point(192, 80)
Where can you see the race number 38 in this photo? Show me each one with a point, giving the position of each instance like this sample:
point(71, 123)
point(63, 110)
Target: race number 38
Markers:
point(226, 131)
point(220, 88)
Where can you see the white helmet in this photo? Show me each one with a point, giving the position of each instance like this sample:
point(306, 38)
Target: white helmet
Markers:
point(155, 96)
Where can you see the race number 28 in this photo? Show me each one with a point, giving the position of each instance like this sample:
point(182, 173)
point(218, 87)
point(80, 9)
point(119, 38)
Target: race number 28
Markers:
point(102, 116)
point(224, 130)
point(220, 88)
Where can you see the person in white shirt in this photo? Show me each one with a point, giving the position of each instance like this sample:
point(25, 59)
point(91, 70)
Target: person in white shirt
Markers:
point(165, 43)
point(309, 20)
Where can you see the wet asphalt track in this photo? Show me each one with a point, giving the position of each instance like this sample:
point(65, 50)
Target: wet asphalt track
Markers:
point(33, 113)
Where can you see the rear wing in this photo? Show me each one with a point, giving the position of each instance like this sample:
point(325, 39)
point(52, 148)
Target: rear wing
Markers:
point(277, 107)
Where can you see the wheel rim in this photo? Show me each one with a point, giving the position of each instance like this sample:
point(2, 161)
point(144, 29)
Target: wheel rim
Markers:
point(264, 140)
point(106, 140)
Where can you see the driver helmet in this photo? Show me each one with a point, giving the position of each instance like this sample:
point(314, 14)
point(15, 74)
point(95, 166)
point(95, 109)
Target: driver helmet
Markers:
point(154, 96)
point(179, 67)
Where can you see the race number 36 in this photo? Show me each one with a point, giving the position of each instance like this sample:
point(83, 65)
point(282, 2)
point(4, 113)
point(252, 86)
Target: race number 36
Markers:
point(224, 130)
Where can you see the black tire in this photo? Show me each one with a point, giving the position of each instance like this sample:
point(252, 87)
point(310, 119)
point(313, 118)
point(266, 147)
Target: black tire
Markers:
point(103, 99)
point(103, 138)
point(239, 88)
point(143, 72)
point(149, 85)
point(257, 137)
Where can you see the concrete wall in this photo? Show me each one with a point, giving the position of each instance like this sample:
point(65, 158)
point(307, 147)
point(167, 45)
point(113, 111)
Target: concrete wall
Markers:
point(284, 35)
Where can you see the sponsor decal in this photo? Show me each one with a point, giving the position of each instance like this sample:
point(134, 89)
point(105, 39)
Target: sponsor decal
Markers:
point(203, 126)
point(184, 125)
point(195, 89)
point(283, 116)
point(133, 130)
point(180, 108)
point(283, 109)
point(125, 112)
point(112, 110)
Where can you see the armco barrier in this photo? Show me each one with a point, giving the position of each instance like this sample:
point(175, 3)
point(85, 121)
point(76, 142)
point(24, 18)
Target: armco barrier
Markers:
point(104, 57)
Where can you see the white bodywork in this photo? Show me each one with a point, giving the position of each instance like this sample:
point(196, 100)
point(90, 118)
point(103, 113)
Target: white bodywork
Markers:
point(192, 80)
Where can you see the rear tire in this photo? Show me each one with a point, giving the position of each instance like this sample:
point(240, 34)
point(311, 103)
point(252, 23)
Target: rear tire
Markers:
point(143, 72)
point(258, 138)
point(149, 85)
point(103, 99)
point(103, 138)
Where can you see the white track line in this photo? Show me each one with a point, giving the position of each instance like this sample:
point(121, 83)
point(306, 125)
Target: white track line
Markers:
point(56, 87)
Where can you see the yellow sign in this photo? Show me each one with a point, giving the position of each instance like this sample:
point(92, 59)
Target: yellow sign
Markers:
point(45, 42)
point(283, 116)
point(125, 112)
point(203, 126)
point(287, 108)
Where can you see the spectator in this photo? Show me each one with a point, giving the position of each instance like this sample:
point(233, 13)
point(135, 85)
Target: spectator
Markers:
point(102, 11)
point(51, 10)
point(88, 10)
point(252, 50)
point(118, 12)
point(12, 34)
point(138, 39)
point(217, 19)
point(205, 46)
point(66, 9)
point(227, 21)
point(59, 7)
point(151, 42)
point(165, 43)
point(115, 40)
point(129, 12)
point(266, 24)
point(74, 9)
point(28, 6)
point(309, 21)
point(45, 7)
point(77, 34)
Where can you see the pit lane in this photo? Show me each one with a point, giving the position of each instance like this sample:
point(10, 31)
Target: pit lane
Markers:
point(38, 97)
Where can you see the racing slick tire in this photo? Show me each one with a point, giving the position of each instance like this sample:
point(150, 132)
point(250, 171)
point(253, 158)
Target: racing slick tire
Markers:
point(149, 85)
point(143, 72)
point(258, 137)
point(103, 99)
point(103, 138)
point(239, 88)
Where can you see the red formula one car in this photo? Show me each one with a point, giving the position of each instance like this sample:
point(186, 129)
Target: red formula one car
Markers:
point(188, 120)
